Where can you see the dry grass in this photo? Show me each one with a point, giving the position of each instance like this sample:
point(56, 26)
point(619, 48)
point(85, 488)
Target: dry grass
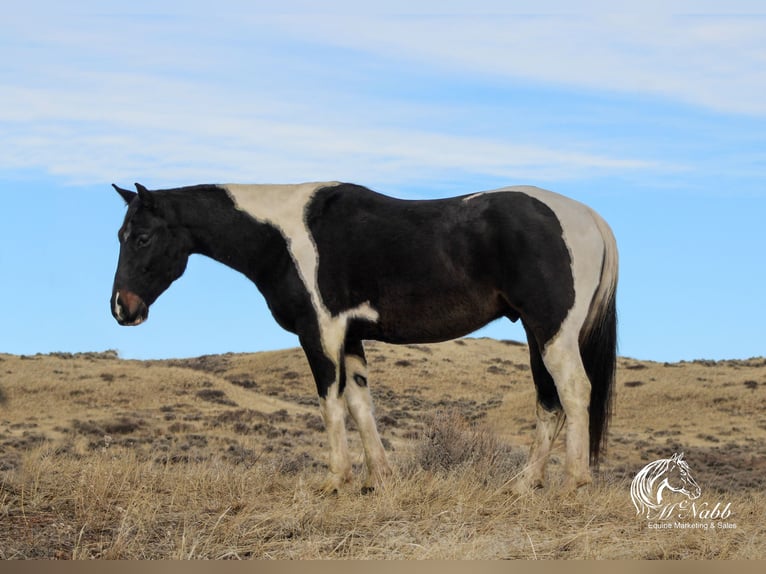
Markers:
point(222, 457)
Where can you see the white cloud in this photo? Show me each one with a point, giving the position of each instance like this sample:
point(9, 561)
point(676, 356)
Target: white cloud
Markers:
point(705, 60)
point(192, 96)
point(110, 126)
point(104, 144)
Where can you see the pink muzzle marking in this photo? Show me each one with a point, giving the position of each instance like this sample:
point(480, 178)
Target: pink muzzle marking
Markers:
point(129, 308)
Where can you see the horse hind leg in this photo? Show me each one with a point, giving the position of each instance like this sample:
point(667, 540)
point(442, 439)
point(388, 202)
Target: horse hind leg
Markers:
point(359, 402)
point(550, 421)
point(561, 356)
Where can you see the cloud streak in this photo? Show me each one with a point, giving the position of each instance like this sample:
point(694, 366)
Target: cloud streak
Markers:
point(291, 95)
point(715, 62)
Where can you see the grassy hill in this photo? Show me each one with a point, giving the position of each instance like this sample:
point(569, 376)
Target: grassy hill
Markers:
point(222, 457)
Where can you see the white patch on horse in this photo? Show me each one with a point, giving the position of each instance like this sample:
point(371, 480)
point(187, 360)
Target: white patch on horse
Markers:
point(117, 306)
point(126, 232)
point(284, 207)
point(334, 415)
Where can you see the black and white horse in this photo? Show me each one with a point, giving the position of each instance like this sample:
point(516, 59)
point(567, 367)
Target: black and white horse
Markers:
point(338, 263)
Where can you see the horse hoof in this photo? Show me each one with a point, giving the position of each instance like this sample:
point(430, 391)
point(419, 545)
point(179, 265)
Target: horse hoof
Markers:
point(573, 485)
point(524, 488)
point(329, 488)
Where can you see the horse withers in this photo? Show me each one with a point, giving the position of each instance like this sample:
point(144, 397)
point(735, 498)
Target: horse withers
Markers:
point(339, 264)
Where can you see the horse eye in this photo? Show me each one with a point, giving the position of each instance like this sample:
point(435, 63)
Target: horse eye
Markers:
point(143, 240)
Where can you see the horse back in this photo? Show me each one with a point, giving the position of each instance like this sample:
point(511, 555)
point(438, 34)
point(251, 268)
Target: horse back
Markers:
point(467, 260)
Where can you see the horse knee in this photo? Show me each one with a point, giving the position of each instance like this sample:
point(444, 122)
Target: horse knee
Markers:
point(357, 392)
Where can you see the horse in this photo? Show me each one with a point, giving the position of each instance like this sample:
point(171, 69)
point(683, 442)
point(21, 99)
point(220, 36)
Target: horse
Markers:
point(649, 486)
point(338, 264)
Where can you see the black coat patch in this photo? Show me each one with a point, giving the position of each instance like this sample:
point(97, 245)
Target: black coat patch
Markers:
point(440, 269)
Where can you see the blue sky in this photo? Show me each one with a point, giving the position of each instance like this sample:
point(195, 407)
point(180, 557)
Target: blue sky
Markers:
point(656, 117)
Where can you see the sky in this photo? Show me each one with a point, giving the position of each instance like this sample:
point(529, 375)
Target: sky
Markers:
point(655, 117)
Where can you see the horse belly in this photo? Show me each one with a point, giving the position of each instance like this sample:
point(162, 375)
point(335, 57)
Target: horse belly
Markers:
point(436, 318)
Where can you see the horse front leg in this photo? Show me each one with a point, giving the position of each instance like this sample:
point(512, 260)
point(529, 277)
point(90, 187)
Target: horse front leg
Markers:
point(327, 375)
point(359, 401)
point(334, 415)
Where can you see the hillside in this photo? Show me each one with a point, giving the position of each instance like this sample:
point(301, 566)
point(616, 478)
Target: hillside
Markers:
point(220, 457)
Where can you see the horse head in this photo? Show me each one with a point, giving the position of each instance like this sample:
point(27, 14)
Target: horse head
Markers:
point(153, 253)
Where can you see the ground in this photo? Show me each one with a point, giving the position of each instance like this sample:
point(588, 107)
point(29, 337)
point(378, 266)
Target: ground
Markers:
point(222, 457)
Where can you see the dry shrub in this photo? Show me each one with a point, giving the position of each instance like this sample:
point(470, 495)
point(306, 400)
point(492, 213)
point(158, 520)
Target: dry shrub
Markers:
point(450, 443)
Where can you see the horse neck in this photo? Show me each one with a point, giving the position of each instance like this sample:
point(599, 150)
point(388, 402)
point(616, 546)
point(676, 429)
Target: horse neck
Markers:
point(222, 232)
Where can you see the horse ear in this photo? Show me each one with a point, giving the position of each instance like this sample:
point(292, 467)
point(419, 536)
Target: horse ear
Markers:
point(126, 194)
point(146, 196)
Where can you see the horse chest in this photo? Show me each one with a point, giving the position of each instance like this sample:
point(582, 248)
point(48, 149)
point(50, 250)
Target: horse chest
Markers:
point(284, 207)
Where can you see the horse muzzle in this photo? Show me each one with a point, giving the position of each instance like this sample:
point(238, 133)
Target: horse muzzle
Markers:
point(128, 308)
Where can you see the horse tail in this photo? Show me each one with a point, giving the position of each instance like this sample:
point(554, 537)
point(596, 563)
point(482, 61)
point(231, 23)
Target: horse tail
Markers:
point(598, 343)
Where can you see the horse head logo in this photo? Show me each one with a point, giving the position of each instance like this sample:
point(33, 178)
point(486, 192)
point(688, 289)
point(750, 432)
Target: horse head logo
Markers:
point(659, 479)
